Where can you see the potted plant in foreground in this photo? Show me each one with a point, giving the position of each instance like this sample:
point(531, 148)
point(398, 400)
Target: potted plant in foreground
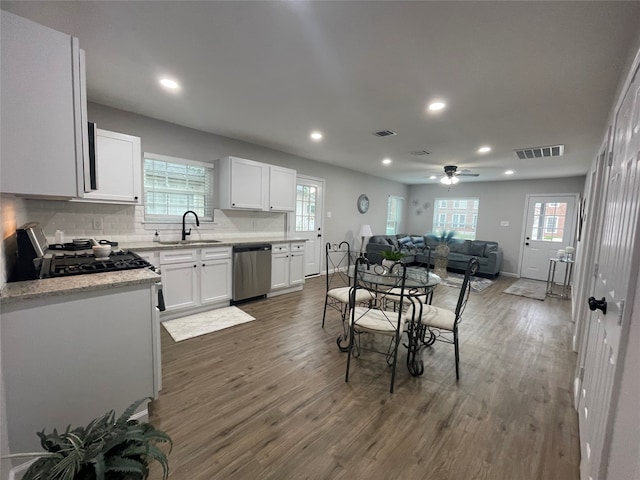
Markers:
point(106, 449)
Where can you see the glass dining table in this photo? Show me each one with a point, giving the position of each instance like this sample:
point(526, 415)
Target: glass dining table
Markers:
point(419, 285)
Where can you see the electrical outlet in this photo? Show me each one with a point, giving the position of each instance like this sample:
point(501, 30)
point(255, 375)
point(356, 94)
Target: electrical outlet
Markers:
point(97, 224)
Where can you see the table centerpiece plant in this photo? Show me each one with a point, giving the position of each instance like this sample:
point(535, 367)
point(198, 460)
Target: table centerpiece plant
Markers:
point(390, 258)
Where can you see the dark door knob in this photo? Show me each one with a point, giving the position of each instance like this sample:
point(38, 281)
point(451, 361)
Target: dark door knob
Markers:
point(598, 304)
point(527, 244)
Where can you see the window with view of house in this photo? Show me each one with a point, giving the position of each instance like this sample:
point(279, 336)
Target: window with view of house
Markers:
point(394, 214)
point(174, 185)
point(457, 214)
point(549, 221)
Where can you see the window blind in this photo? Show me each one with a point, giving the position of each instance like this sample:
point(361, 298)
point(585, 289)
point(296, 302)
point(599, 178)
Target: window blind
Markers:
point(172, 186)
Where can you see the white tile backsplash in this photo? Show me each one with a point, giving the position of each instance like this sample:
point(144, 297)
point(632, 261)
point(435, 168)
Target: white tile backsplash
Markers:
point(126, 222)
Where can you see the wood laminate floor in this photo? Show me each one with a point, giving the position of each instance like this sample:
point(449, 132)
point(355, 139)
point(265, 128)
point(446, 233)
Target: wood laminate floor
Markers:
point(268, 400)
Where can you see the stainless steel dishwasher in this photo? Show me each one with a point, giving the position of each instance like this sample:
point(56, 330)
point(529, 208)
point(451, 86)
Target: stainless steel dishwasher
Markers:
point(251, 271)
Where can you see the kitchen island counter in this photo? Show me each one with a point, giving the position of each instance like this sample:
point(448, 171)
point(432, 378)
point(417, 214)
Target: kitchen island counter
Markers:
point(52, 287)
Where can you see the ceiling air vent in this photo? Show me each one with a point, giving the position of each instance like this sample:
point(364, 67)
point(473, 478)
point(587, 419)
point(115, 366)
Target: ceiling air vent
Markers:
point(384, 133)
point(420, 153)
point(540, 152)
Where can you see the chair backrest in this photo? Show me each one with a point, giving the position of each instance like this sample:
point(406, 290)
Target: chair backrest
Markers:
point(384, 283)
point(337, 261)
point(465, 290)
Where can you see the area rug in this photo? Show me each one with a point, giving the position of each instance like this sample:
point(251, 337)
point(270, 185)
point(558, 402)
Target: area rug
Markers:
point(528, 288)
point(205, 322)
point(478, 284)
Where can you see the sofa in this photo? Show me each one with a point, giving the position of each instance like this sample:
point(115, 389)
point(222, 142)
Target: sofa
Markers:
point(420, 250)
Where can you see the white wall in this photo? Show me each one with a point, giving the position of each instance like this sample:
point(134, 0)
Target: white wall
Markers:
point(498, 201)
point(343, 186)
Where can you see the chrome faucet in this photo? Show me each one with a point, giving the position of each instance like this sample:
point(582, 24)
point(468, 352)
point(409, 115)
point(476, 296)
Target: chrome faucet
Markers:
point(184, 231)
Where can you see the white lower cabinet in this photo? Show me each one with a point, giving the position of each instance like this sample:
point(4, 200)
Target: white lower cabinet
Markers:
point(279, 266)
point(194, 280)
point(179, 284)
point(287, 267)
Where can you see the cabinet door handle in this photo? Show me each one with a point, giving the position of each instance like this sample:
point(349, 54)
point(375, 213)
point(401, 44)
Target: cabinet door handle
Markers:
point(203, 265)
point(195, 266)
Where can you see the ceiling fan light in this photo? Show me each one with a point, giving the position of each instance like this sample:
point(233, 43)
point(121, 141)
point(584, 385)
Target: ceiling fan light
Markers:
point(449, 180)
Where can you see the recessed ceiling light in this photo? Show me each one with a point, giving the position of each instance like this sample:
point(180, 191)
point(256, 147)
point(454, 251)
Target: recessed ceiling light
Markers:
point(168, 83)
point(509, 172)
point(316, 136)
point(485, 149)
point(432, 177)
point(386, 161)
point(436, 106)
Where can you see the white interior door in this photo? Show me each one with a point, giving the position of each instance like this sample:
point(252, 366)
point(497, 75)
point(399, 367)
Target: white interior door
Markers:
point(615, 284)
point(308, 221)
point(549, 226)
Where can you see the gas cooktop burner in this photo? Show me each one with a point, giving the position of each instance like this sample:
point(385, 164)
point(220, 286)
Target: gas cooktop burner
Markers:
point(65, 264)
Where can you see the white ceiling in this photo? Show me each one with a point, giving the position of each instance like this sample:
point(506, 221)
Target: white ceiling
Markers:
point(514, 75)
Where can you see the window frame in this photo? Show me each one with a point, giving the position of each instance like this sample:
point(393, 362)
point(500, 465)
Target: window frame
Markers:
point(396, 222)
point(208, 201)
point(447, 214)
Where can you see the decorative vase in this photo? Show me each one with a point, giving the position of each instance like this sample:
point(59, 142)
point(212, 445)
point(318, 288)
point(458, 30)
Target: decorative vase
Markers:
point(441, 260)
point(388, 264)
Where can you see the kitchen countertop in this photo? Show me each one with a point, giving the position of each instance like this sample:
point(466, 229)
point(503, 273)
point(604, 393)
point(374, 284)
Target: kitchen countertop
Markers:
point(197, 243)
point(53, 287)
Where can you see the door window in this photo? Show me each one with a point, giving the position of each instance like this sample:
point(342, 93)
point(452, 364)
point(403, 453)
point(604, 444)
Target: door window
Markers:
point(549, 222)
point(306, 208)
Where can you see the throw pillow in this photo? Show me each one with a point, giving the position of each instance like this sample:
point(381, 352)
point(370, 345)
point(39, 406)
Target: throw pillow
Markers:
point(477, 248)
point(404, 240)
point(491, 247)
point(418, 241)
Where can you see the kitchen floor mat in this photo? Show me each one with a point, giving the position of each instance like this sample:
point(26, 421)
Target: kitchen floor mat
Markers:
point(206, 322)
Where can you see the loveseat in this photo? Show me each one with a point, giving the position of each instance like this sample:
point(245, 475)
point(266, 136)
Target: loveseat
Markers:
point(420, 249)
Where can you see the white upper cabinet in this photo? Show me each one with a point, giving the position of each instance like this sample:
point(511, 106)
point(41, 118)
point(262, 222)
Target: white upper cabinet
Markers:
point(243, 184)
point(42, 110)
point(240, 184)
point(119, 166)
point(282, 189)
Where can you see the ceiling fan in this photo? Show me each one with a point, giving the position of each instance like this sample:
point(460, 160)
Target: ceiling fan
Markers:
point(451, 174)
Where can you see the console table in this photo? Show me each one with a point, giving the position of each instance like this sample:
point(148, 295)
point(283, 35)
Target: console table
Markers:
point(553, 262)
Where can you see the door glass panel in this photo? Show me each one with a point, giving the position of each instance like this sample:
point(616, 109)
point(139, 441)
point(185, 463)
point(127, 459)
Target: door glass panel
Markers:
point(305, 208)
point(549, 221)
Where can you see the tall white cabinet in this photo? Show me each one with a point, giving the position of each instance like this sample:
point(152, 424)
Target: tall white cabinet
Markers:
point(43, 110)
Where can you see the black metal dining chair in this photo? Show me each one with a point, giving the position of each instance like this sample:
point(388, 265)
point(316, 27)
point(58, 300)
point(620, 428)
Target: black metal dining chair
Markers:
point(442, 323)
point(338, 260)
point(373, 318)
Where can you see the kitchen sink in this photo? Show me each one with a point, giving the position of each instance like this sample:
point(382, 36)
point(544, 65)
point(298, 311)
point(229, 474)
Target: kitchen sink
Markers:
point(189, 242)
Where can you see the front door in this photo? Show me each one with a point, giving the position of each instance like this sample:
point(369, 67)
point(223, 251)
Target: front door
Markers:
point(549, 227)
point(615, 283)
point(308, 221)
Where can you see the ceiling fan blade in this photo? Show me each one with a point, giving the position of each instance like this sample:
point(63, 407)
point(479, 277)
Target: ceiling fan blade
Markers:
point(468, 174)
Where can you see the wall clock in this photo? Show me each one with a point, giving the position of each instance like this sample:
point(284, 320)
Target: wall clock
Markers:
point(363, 203)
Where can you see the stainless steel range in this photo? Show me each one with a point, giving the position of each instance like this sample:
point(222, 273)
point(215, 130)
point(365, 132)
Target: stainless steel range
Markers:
point(65, 264)
point(38, 259)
